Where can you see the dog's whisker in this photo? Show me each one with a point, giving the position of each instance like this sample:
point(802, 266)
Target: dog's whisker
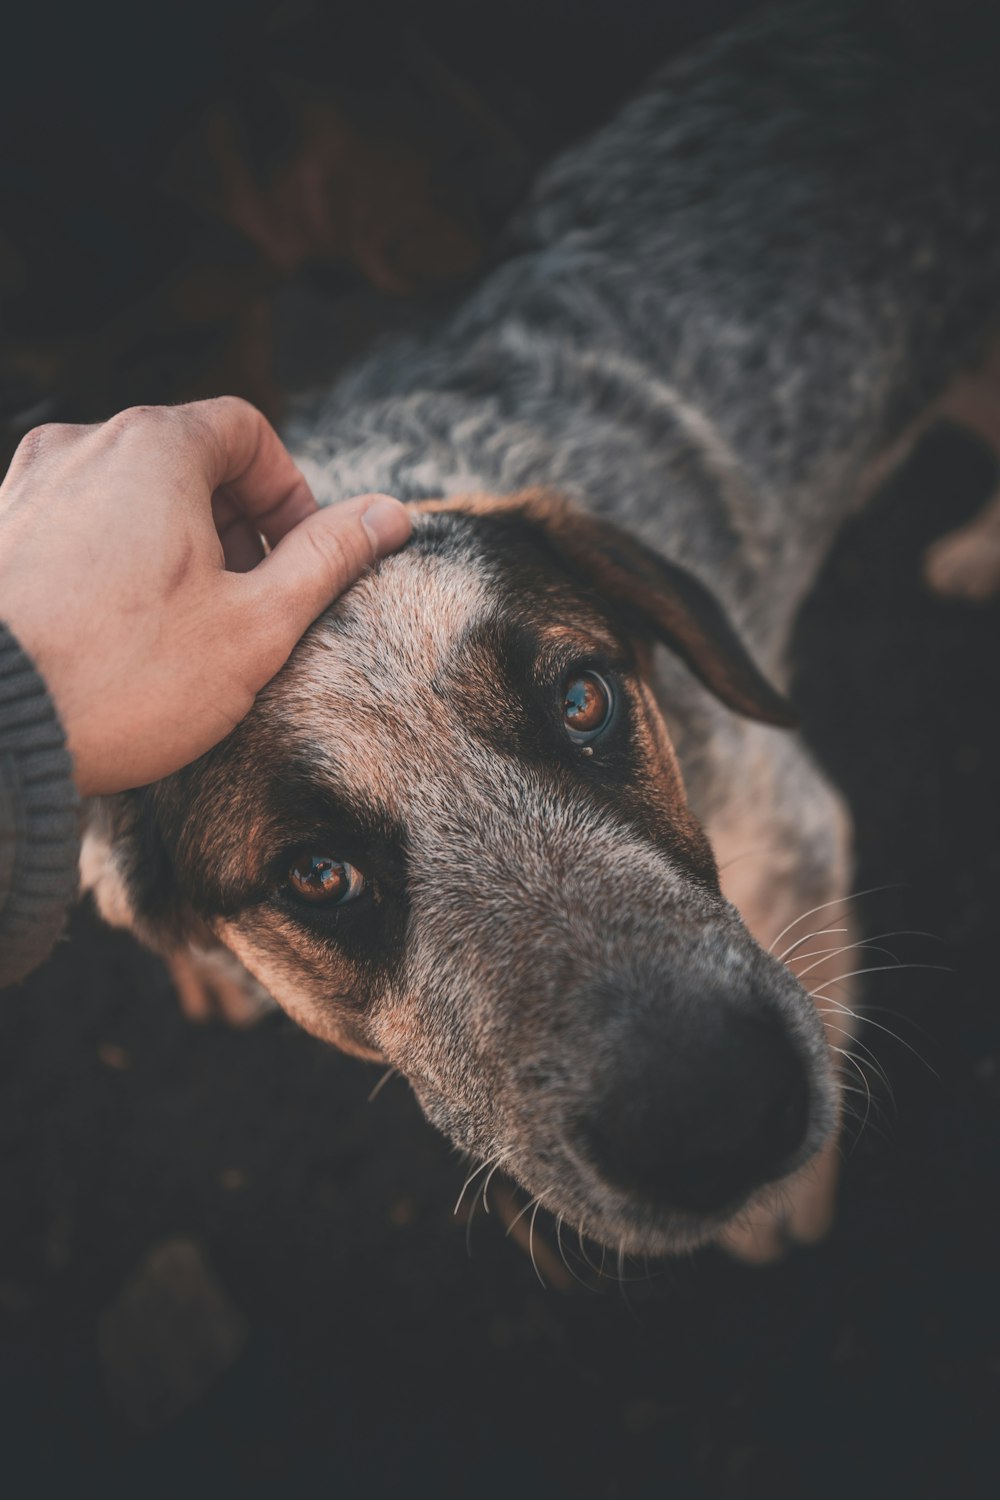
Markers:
point(519, 1216)
point(873, 1118)
point(389, 1072)
point(915, 932)
point(847, 1056)
point(872, 890)
point(897, 1015)
point(505, 1156)
point(838, 1007)
point(861, 944)
point(851, 1113)
point(872, 1062)
point(801, 973)
point(597, 1270)
point(822, 932)
point(866, 1011)
point(565, 1259)
point(872, 1059)
point(747, 854)
point(892, 969)
point(531, 1245)
point(873, 1107)
point(559, 1243)
point(817, 994)
point(621, 1278)
point(468, 1230)
point(864, 1020)
point(471, 1178)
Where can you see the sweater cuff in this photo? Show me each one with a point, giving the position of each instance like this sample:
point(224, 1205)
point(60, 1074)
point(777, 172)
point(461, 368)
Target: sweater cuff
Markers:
point(39, 816)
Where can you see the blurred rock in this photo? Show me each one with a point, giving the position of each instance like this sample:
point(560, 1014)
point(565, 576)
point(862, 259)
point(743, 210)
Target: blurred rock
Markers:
point(168, 1336)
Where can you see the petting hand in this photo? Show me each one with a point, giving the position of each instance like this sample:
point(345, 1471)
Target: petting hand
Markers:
point(132, 572)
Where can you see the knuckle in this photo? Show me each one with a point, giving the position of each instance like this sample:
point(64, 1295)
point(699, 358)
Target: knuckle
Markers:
point(46, 438)
point(213, 422)
point(237, 413)
point(230, 409)
point(238, 406)
point(132, 420)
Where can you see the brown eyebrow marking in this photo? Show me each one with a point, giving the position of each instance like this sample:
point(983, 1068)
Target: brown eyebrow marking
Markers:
point(582, 637)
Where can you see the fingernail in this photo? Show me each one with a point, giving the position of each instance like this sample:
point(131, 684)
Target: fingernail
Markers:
point(387, 522)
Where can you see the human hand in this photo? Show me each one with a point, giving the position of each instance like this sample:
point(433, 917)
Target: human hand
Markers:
point(132, 573)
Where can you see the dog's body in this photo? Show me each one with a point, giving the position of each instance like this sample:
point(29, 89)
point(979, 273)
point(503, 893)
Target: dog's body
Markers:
point(714, 318)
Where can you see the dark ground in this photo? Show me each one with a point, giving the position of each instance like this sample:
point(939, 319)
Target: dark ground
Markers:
point(379, 1355)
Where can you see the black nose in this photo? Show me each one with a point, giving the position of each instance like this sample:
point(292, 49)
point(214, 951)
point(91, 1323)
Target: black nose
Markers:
point(699, 1118)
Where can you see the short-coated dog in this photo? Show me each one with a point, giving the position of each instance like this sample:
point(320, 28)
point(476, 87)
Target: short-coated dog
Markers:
point(524, 815)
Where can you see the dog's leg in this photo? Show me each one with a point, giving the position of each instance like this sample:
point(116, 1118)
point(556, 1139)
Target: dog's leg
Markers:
point(784, 852)
point(965, 563)
point(797, 1213)
point(211, 983)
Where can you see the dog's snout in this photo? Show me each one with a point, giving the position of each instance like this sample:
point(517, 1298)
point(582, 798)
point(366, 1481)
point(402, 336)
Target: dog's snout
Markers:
point(698, 1119)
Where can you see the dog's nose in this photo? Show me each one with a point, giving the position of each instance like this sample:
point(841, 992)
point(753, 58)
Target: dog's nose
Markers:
point(698, 1120)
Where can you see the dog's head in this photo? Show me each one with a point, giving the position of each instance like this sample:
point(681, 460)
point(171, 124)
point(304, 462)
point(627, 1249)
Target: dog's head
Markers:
point(452, 834)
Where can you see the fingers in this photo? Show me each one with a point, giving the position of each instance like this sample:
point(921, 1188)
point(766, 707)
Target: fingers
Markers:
point(231, 447)
point(315, 563)
point(249, 466)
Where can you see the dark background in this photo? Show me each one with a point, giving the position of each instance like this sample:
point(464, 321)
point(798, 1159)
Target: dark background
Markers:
point(319, 1321)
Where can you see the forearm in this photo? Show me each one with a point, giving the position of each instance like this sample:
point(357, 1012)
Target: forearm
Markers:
point(39, 816)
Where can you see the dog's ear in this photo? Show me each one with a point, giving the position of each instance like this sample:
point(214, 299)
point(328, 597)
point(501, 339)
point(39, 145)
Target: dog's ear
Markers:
point(656, 597)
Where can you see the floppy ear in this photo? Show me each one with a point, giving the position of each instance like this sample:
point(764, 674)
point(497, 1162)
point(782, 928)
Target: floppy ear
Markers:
point(655, 596)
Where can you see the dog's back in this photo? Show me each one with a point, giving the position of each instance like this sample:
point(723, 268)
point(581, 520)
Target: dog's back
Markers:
point(715, 314)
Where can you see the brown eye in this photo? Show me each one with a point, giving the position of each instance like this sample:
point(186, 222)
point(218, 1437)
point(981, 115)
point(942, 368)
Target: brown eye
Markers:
point(586, 705)
point(321, 880)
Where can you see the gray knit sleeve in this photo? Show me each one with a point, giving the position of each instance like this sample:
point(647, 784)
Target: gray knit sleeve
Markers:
point(39, 816)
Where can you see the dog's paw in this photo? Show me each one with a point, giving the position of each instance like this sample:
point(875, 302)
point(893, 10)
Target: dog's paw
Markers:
point(800, 1213)
point(965, 564)
point(212, 985)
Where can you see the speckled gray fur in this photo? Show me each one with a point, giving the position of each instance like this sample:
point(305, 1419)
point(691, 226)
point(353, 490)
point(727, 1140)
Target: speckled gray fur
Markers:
point(718, 310)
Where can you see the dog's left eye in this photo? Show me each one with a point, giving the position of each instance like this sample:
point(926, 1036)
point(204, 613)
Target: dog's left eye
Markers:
point(587, 704)
point(321, 880)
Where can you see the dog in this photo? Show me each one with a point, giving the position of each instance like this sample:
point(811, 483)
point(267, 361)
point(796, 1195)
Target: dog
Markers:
point(525, 815)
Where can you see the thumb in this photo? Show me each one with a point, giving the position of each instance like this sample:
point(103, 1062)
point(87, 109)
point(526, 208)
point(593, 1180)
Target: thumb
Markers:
point(321, 557)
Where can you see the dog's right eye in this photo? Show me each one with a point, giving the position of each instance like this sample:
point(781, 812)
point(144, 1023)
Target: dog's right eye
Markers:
point(321, 880)
point(587, 706)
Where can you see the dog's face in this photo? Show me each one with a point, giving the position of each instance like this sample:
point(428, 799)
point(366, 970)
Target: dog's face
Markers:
point(452, 834)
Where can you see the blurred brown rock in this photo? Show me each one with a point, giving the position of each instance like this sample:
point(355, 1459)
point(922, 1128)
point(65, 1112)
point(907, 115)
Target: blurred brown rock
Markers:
point(167, 1337)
